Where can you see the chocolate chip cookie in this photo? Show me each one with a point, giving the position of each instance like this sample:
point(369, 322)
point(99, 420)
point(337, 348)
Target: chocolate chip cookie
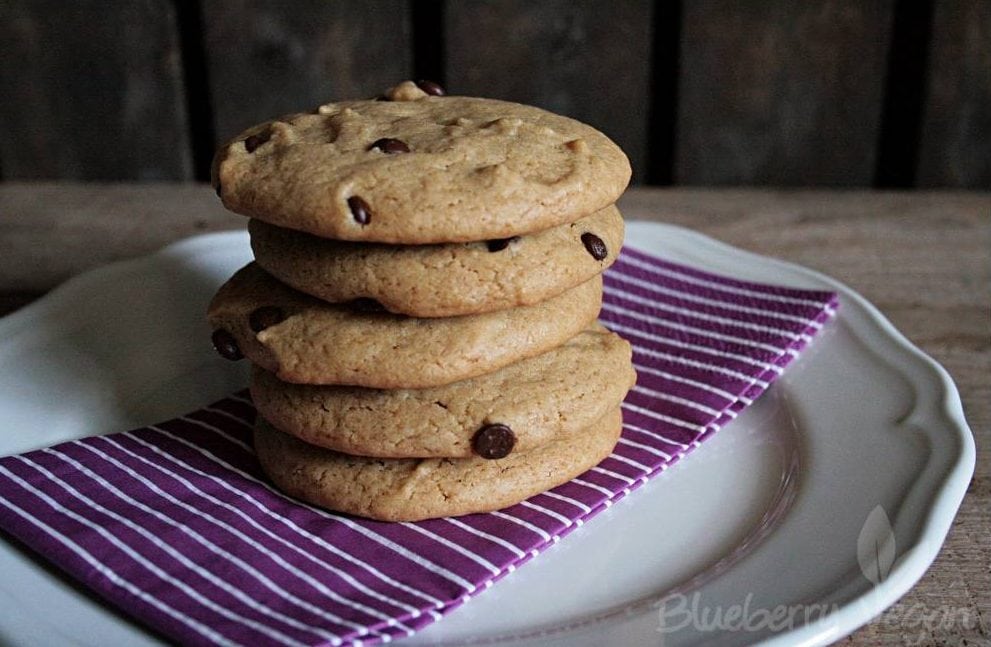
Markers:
point(305, 340)
point(443, 280)
point(518, 408)
point(411, 489)
point(418, 168)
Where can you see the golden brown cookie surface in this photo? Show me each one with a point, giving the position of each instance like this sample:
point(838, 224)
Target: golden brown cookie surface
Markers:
point(553, 395)
point(304, 340)
point(420, 169)
point(443, 280)
point(413, 489)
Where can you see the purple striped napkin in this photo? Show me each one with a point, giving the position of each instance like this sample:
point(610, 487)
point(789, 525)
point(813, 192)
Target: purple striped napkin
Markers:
point(175, 525)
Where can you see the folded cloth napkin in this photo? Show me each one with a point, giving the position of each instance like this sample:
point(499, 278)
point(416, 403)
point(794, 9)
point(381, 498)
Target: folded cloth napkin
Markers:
point(175, 524)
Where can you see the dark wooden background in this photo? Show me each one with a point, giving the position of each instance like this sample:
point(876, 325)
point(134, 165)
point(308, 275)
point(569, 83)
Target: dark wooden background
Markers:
point(883, 93)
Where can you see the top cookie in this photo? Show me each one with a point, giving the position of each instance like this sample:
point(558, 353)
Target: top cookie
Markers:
point(418, 169)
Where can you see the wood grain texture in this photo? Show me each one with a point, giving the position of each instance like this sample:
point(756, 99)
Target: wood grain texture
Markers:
point(587, 59)
point(267, 59)
point(92, 90)
point(88, 225)
point(955, 148)
point(780, 92)
point(922, 257)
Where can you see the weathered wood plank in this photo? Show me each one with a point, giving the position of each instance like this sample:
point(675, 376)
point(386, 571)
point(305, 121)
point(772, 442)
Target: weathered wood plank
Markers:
point(588, 59)
point(51, 231)
point(956, 134)
point(781, 92)
point(92, 90)
point(267, 59)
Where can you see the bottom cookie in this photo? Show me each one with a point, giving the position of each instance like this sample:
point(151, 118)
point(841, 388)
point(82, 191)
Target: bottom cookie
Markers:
point(411, 489)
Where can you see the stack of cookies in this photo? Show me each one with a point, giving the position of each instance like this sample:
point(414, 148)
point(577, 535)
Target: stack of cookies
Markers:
point(421, 312)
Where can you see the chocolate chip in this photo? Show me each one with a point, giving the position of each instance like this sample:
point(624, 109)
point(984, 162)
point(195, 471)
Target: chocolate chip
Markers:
point(265, 317)
point(360, 210)
point(225, 344)
point(256, 140)
point(365, 304)
point(493, 441)
point(390, 146)
point(430, 87)
point(595, 246)
point(500, 243)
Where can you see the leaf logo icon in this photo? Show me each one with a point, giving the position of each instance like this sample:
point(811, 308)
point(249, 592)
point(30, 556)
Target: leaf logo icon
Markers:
point(876, 546)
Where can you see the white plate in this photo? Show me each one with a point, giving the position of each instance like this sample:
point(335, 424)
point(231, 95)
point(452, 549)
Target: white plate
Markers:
point(766, 513)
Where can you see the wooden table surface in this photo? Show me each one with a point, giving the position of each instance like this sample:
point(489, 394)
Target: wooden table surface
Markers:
point(923, 258)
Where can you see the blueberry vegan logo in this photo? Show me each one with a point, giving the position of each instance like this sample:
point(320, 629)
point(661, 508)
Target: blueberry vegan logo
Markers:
point(915, 624)
point(875, 555)
point(876, 546)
